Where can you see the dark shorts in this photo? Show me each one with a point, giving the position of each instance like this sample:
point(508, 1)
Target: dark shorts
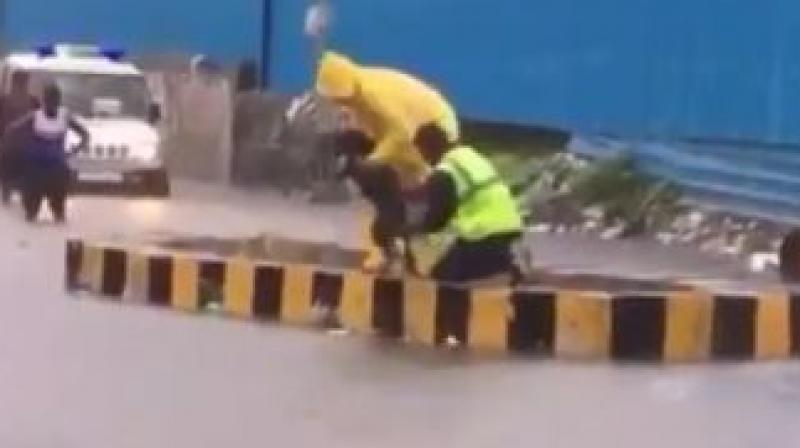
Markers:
point(477, 260)
point(11, 165)
point(44, 175)
point(380, 185)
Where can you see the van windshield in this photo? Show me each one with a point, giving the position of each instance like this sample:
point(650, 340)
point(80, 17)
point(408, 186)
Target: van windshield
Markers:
point(83, 91)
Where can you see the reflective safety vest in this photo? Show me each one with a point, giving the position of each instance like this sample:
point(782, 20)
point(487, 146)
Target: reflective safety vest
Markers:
point(486, 206)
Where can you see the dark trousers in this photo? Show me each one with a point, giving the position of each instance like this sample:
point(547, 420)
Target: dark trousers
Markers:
point(477, 260)
point(10, 172)
point(380, 185)
point(6, 190)
point(48, 182)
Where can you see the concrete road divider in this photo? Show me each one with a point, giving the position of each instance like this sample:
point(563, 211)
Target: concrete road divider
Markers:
point(674, 326)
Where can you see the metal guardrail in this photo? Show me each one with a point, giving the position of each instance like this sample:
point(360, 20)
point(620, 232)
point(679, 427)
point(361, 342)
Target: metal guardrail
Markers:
point(762, 180)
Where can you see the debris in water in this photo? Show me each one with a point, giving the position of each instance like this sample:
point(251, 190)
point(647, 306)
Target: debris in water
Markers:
point(761, 261)
point(666, 238)
point(213, 307)
point(452, 343)
point(339, 332)
point(594, 213)
point(540, 228)
point(612, 233)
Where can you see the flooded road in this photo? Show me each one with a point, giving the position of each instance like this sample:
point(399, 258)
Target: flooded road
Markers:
point(83, 373)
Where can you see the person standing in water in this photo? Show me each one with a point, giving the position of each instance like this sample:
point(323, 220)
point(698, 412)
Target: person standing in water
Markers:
point(45, 159)
point(16, 104)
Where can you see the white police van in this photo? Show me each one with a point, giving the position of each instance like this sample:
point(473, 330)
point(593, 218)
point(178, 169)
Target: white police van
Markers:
point(110, 97)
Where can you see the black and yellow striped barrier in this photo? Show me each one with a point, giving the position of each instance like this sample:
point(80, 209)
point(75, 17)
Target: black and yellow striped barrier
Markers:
point(681, 326)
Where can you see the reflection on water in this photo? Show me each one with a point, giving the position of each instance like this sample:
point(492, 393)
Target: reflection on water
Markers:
point(145, 211)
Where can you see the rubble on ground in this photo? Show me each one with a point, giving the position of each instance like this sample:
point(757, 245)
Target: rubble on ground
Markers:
point(609, 199)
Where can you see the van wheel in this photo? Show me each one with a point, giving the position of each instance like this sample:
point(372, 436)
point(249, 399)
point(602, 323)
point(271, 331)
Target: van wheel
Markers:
point(157, 184)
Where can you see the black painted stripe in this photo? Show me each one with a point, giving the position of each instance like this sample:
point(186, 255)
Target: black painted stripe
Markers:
point(638, 327)
point(794, 323)
point(211, 282)
point(452, 313)
point(734, 328)
point(74, 260)
point(159, 274)
point(267, 292)
point(115, 272)
point(326, 289)
point(387, 309)
point(533, 327)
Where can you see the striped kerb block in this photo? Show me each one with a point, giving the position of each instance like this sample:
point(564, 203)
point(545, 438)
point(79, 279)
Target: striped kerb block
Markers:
point(681, 326)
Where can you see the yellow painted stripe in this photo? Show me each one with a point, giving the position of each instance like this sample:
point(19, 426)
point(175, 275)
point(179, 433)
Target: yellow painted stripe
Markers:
point(419, 311)
point(773, 337)
point(185, 288)
point(690, 316)
point(428, 250)
point(296, 299)
point(374, 254)
point(490, 314)
point(238, 288)
point(137, 279)
point(583, 324)
point(365, 216)
point(91, 272)
point(355, 308)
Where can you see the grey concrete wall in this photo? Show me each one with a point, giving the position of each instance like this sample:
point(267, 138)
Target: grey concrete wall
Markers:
point(258, 156)
point(285, 143)
point(253, 139)
point(197, 127)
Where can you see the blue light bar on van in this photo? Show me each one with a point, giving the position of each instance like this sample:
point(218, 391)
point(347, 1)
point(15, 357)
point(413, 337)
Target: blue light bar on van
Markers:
point(80, 51)
point(46, 51)
point(113, 54)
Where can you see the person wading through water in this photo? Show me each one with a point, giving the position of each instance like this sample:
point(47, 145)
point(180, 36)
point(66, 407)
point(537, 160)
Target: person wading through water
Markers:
point(44, 157)
point(18, 103)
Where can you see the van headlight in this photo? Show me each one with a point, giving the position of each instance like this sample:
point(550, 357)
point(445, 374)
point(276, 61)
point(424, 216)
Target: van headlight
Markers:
point(144, 152)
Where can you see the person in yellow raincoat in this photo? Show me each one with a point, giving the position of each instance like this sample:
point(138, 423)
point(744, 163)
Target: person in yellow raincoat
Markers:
point(389, 106)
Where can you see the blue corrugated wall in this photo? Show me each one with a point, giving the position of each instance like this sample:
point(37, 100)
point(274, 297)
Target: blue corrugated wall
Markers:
point(718, 68)
point(229, 30)
point(673, 68)
point(652, 72)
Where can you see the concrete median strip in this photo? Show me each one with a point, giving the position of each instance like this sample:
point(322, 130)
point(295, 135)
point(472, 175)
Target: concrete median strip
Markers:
point(681, 326)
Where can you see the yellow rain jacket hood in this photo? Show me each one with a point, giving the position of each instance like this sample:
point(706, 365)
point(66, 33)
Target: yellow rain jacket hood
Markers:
point(390, 106)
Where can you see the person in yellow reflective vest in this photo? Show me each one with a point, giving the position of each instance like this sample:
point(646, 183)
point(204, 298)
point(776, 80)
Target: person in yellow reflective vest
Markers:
point(466, 195)
point(389, 107)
